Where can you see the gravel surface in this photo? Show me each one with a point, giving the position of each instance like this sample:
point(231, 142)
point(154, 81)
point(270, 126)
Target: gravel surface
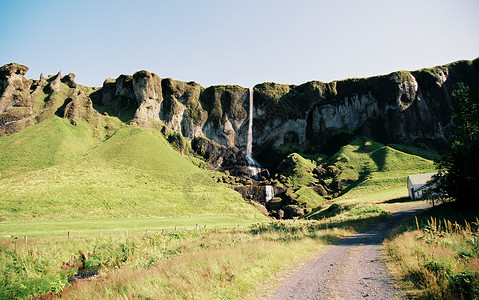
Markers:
point(351, 269)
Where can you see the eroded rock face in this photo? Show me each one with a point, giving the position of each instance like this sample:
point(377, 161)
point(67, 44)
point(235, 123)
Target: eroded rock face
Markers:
point(15, 101)
point(147, 91)
point(69, 80)
point(218, 112)
point(24, 102)
point(401, 107)
point(222, 158)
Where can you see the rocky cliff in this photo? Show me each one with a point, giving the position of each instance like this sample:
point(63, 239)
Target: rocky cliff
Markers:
point(25, 102)
point(401, 107)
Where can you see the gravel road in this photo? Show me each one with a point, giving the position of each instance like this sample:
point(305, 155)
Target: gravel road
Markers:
point(351, 269)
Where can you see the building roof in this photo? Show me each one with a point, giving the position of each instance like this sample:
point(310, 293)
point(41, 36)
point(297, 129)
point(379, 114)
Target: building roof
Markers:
point(421, 178)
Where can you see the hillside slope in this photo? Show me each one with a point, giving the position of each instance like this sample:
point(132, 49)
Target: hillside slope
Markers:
point(47, 144)
point(134, 173)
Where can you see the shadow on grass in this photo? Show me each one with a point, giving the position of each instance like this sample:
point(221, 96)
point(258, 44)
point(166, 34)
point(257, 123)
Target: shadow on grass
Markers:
point(364, 175)
point(379, 158)
point(401, 200)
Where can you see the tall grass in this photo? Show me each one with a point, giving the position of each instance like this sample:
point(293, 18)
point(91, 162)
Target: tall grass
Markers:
point(192, 264)
point(203, 263)
point(437, 258)
point(233, 263)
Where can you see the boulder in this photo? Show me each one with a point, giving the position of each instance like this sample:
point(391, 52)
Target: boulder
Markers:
point(319, 171)
point(321, 190)
point(332, 171)
point(275, 204)
point(293, 211)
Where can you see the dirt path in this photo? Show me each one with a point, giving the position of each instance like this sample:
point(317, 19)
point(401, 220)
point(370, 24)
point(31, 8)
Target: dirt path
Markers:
point(351, 269)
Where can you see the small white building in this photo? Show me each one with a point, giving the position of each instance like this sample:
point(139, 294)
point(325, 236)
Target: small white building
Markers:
point(416, 184)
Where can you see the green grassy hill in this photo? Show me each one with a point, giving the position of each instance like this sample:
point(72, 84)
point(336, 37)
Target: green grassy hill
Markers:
point(371, 166)
point(57, 171)
point(366, 169)
point(52, 142)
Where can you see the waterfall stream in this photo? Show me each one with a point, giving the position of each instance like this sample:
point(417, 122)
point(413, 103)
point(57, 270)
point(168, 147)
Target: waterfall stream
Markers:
point(253, 165)
point(269, 193)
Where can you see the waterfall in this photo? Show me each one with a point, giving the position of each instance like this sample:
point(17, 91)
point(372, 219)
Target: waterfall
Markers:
point(253, 165)
point(249, 145)
point(269, 192)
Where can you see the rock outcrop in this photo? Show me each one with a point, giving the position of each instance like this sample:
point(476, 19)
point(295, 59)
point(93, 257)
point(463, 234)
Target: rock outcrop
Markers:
point(15, 101)
point(24, 102)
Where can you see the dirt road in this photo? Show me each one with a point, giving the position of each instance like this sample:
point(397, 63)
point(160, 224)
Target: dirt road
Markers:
point(351, 269)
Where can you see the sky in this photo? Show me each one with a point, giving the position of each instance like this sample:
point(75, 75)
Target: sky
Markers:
point(243, 42)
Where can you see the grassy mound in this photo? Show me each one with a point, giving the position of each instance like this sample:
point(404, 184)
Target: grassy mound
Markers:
point(360, 168)
point(371, 166)
point(57, 171)
point(52, 142)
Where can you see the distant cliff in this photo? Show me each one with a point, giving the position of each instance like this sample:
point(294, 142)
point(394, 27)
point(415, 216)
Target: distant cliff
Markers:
point(401, 107)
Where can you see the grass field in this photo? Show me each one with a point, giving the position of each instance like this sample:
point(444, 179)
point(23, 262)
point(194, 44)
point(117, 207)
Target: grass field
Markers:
point(238, 262)
point(121, 226)
point(50, 143)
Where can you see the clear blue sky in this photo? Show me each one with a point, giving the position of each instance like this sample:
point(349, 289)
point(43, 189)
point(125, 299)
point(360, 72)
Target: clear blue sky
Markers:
point(236, 42)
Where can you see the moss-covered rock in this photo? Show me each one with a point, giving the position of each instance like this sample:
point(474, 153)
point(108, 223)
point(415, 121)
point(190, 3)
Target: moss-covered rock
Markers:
point(293, 211)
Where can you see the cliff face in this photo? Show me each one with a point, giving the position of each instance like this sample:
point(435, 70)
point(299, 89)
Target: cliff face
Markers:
point(25, 102)
point(217, 112)
point(402, 107)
